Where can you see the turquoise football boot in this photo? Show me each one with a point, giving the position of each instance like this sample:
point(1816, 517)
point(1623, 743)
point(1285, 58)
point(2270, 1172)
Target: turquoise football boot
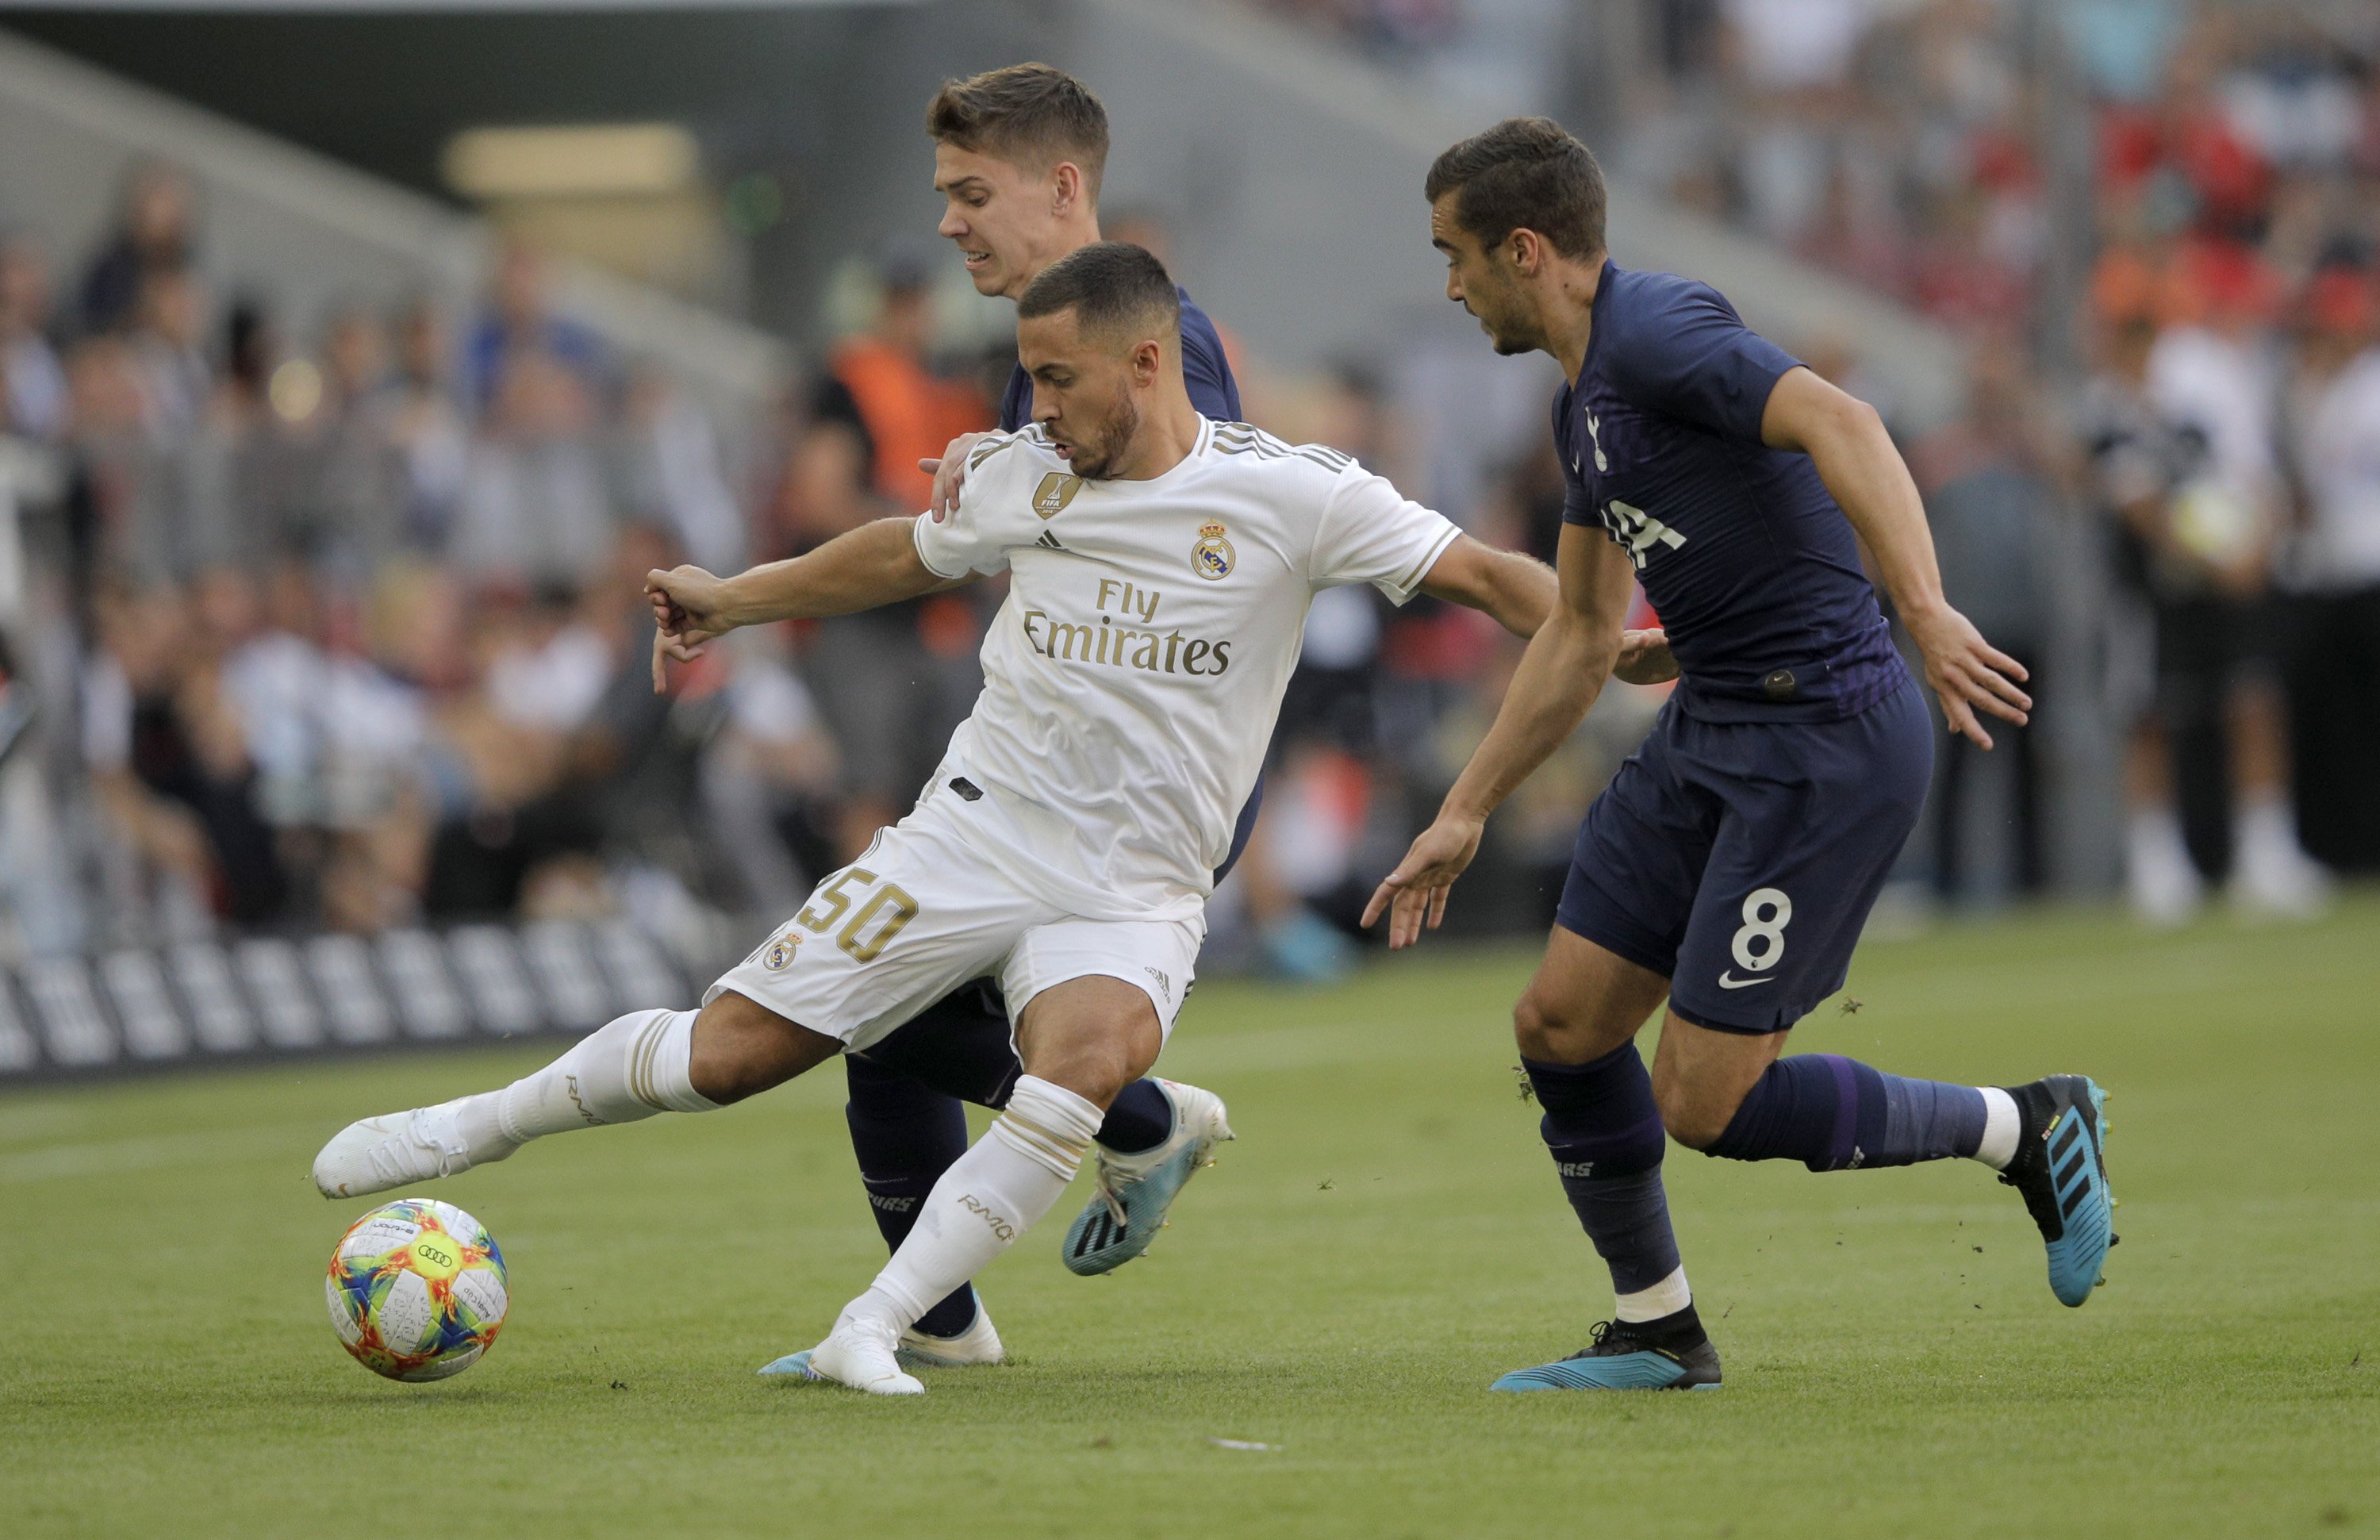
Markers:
point(1620, 1358)
point(2061, 1169)
point(1135, 1190)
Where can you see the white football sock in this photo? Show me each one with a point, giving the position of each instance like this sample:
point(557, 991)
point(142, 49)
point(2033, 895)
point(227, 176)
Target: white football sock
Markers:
point(1665, 1298)
point(988, 1197)
point(630, 1068)
point(2000, 1123)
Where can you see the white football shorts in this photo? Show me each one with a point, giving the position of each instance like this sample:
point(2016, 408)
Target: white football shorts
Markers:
point(924, 912)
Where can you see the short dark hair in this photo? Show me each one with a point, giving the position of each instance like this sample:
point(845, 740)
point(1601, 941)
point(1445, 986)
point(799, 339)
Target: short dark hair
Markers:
point(1108, 285)
point(1524, 174)
point(1026, 113)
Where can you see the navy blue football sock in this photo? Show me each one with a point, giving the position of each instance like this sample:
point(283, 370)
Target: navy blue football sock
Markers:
point(906, 1135)
point(1140, 1117)
point(1604, 1131)
point(1835, 1114)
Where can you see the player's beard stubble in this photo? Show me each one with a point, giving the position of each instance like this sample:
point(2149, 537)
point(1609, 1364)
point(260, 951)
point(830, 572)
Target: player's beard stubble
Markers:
point(1093, 459)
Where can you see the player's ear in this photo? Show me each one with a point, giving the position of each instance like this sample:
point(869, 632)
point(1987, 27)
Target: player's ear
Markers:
point(1527, 251)
point(1147, 359)
point(1065, 186)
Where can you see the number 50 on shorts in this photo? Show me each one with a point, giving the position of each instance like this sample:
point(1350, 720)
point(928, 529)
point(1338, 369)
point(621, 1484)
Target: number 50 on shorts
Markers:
point(874, 920)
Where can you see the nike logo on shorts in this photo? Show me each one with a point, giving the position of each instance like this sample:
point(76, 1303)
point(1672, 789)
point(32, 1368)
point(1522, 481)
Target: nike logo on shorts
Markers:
point(1727, 980)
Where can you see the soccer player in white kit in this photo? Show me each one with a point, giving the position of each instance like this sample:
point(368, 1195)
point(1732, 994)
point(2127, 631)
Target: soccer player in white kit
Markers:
point(1161, 569)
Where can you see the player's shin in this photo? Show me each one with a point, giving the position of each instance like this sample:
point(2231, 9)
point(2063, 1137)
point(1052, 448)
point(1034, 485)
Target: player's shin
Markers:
point(906, 1135)
point(1603, 1129)
point(983, 1203)
point(1837, 1114)
point(630, 1068)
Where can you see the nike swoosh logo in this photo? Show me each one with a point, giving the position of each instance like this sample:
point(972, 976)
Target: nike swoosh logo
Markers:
point(1728, 980)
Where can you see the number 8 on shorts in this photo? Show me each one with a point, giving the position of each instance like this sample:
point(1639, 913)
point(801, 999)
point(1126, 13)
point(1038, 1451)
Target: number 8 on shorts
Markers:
point(1760, 945)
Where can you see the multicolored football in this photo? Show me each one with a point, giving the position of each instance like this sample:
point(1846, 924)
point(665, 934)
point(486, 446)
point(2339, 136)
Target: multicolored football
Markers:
point(417, 1290)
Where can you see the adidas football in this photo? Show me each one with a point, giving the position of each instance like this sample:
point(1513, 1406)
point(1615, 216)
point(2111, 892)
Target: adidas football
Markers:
point(417, 1290)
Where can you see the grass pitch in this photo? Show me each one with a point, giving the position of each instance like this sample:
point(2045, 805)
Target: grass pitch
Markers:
point(1384, 1239)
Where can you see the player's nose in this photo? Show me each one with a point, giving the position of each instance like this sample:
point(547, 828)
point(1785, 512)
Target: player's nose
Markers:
point(952, 226)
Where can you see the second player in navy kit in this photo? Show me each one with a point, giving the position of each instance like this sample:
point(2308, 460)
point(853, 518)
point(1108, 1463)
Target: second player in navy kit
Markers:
point(1795, 754)
point(1731, 863)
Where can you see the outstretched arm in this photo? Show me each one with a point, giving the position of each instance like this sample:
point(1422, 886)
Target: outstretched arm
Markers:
point(1515, 590)
point(1559, 675)
point(876, 563)
point(1856, 457)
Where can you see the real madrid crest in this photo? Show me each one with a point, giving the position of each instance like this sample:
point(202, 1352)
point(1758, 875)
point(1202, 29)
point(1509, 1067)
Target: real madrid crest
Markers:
point(1211, 558)
point(780, 955)
point(1056, 490)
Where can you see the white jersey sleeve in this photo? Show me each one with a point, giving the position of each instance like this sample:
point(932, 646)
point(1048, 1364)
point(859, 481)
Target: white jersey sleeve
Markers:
point(976, 537)
point(1372, 533)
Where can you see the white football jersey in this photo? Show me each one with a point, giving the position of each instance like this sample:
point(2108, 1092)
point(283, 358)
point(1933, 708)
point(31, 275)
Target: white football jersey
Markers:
point(1132, 678)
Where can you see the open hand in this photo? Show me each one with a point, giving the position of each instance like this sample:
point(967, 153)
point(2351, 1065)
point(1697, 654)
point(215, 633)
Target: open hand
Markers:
point(948, 473)
point(1414, 894)
point(1968, 672)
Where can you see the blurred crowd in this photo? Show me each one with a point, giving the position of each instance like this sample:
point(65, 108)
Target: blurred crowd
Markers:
point(345, 630)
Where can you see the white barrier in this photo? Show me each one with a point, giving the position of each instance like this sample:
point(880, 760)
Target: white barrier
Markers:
point(264, 997)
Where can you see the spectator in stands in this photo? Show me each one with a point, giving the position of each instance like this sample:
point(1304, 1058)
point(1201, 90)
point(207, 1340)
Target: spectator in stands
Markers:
point(259, 449)
point(426, 429)
point(769, 783)
point(154, 234)
point(2219, 631)
point(536, 507)
point(358, 496)
point(168, 748)
point(2335, 693)
point(129, 497)
point(521, 319)
point(501, 756)
point(32, 382)
point(1989, 481)
point(168, 337)
point(672, 474)
point(883, 384)
point(159, 866)
point(894, 682)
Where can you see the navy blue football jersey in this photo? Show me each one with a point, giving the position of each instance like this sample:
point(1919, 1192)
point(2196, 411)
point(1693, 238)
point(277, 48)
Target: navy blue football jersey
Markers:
point(1204, 370)
point(1740, 548)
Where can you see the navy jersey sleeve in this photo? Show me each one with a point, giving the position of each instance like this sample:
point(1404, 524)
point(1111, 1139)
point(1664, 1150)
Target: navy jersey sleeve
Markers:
point(1016, 401)
point(1205, 371)
point(1688, 355)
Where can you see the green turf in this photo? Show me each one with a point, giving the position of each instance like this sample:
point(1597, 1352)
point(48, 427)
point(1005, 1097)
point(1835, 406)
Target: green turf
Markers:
point(1384, 1241)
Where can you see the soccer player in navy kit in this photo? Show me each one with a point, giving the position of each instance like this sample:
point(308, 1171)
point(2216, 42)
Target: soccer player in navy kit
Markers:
point(1732, 861)
point(1018, 155)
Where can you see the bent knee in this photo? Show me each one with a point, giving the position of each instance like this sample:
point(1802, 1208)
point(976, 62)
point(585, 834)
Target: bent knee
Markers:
point(741, 1048)
point(1692, 1115)
point(1550, 1033)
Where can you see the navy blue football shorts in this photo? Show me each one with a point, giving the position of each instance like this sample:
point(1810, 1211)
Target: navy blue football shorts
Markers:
point(1738, 860)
